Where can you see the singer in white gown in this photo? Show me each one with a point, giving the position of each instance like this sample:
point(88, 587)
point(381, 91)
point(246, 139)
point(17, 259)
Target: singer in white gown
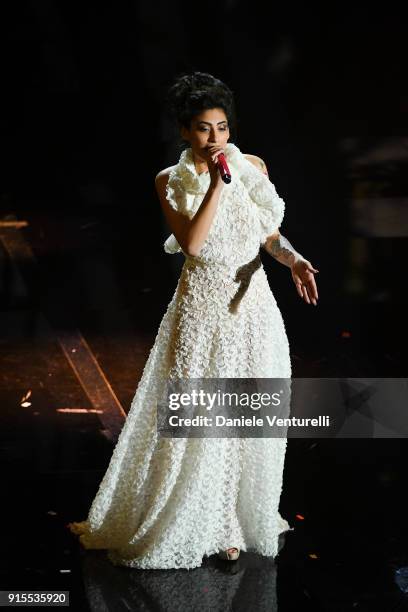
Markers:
point(168, 502)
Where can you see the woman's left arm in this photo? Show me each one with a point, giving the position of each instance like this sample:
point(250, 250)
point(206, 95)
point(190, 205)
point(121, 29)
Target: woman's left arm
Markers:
point(302, 270)
point(280, 248)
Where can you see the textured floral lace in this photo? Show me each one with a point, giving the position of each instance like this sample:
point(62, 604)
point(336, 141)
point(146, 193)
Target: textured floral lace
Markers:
point(167, 502)
point(249, 187)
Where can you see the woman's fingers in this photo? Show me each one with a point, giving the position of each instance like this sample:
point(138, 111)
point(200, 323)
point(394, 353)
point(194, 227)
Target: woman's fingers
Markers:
point(306, 285)
point(298, 284)
point(305, 294)
point(213, 154)
point(215, 150)
point(312, 293)
point(313, 288)
point(313, 299)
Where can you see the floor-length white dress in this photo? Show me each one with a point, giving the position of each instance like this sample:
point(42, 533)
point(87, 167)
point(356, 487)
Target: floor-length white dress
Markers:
point(167, 502)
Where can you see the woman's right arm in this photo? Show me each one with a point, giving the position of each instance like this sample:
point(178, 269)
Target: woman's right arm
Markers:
point(191, 233)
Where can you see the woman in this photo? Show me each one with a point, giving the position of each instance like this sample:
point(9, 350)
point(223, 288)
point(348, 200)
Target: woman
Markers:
point(168, 502)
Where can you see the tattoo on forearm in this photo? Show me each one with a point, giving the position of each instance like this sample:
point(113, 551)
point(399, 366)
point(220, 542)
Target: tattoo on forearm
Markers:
point(281, 249)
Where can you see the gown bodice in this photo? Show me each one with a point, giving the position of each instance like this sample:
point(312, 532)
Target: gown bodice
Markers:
point(249, 209)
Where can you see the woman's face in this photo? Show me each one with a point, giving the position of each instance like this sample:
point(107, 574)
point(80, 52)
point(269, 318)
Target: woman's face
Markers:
point(210, 126)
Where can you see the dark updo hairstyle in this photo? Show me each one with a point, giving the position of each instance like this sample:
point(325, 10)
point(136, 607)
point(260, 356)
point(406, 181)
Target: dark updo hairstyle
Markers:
point(193, 93)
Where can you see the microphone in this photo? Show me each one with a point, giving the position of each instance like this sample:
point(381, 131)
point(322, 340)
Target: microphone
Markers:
point(223, 168)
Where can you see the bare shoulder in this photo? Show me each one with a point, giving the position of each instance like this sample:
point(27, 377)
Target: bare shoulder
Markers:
point(257, 161)
point(161, 180)
point(163, 175)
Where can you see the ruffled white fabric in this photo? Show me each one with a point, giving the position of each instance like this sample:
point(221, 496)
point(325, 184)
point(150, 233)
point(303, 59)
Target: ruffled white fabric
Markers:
point(166, 503)
point(186, 189)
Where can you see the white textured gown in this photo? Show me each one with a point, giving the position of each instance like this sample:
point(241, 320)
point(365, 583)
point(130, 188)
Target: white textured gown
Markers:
point(167, 502)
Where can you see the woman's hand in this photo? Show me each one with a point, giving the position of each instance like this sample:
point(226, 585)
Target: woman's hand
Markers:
point(303, 277)
point(211, 153)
